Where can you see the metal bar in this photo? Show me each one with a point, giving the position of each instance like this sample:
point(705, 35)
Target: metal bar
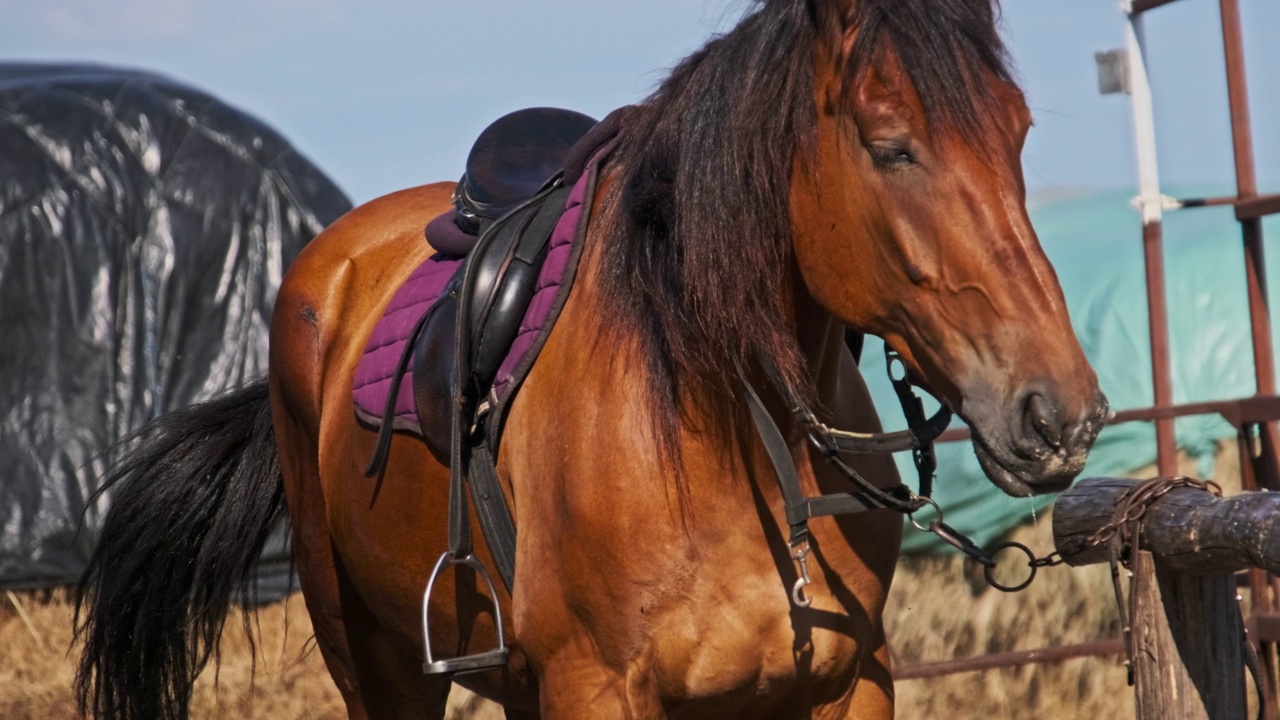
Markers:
point(1151, 203)
point(1255, 409)
point(1255, 208)
point(1259, 311)
point(1189, 203)
point(1248, 211)
point(1247, 190)
point(1008, 660)
point(1141, 6)
point(1166, 447)
point(1238, 97)
point(1148, 414)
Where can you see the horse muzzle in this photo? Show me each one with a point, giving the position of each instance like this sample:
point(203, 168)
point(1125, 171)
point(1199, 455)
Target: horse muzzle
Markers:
point(1041, 447)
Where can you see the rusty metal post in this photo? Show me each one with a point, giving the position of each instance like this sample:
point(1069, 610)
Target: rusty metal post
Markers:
point(1266, 472)
point(1251, 230)
point(1150, 202)
point(1157, 308)
point(1247, 189)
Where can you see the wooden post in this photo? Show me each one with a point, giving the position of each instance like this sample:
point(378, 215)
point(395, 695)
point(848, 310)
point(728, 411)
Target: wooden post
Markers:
point(1187, 630)
point(1187, 633)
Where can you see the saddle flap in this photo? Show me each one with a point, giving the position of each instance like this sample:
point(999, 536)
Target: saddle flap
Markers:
point(506, 277)
point(433, 373)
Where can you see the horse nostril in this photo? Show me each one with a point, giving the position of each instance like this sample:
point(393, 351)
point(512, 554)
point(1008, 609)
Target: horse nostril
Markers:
point(1042, 416)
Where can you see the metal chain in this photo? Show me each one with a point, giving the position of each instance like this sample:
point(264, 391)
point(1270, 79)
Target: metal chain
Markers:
point(1133, 504)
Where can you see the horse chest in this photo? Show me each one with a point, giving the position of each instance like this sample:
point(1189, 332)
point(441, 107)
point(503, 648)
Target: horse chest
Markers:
point(743, 640)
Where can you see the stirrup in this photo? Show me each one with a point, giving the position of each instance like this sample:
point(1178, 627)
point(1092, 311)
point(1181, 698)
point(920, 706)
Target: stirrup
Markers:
point(467, 663)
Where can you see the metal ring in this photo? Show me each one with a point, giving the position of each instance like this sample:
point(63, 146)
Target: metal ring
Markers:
point(894, 357)
point(1031, 563)
point(928, 501)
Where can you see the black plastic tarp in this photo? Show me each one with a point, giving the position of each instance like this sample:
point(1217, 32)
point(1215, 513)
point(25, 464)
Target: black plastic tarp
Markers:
point(144, 229)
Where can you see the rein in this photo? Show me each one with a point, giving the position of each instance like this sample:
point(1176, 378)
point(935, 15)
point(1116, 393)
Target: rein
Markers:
point(919, 438)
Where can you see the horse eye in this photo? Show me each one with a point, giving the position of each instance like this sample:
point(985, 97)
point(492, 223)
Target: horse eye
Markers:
point(891, 155)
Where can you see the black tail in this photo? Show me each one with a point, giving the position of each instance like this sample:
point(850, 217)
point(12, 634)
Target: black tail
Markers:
point(191, 507)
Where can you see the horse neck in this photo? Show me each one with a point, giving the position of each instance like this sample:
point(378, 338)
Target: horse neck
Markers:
point(819, 335)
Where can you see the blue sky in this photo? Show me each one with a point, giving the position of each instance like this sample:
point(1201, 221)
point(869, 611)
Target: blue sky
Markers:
point(384, 95)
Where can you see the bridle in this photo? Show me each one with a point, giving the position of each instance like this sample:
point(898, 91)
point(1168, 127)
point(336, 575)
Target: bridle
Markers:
point(831, 443)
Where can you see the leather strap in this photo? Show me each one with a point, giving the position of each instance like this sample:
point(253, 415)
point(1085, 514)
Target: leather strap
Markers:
point(779, 452)
point(538, 233)
point(925, 460)
point(482, 475)
point(800, 509)
point(460, 544)
point(495, 517)
point(891, 442)
point(472, 464)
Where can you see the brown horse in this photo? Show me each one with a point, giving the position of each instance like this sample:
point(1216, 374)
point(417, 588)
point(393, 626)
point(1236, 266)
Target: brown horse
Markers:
point(826, 163)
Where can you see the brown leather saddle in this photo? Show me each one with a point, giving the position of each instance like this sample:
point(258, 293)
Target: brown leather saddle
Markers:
point(519, 176)
point(509, 200)
point(504, 209)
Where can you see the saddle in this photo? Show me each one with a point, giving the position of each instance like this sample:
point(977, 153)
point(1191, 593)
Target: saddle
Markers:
point(468, 332)
point(505, 207)
point(509, 250)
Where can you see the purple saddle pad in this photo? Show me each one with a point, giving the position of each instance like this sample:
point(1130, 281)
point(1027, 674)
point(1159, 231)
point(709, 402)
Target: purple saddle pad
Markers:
point(374, 376)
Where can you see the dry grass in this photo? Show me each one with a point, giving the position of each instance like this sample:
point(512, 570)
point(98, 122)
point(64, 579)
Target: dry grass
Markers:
point(291, 682)
point(939, 609)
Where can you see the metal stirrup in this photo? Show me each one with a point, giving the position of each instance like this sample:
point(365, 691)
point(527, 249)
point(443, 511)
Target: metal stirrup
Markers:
point(468, 663)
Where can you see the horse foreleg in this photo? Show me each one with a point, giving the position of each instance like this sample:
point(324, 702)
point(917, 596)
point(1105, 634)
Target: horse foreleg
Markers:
point(872, 695)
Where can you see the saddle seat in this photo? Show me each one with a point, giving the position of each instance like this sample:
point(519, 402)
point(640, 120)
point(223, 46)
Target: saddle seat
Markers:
point(513, 158)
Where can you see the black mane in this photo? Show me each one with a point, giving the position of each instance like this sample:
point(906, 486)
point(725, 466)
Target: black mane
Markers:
point(695, 260)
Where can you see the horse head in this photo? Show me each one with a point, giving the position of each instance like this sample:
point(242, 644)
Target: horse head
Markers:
point(909, 222)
